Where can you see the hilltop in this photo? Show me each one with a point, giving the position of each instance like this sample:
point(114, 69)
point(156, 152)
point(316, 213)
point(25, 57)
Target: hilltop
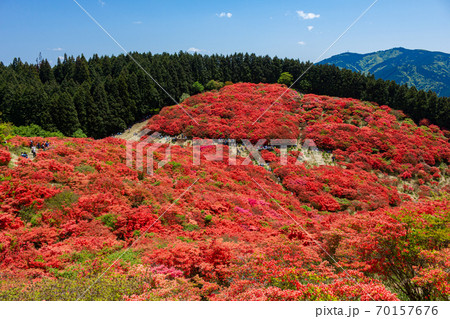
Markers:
point(102, 96)
point(426, 70)
point(77, 222)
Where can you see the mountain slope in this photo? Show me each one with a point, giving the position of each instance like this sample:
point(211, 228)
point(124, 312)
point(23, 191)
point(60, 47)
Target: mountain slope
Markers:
point(78, 222)
point(423, 69)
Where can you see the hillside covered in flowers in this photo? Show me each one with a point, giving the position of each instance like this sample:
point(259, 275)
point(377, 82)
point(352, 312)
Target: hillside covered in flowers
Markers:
point(370, 222)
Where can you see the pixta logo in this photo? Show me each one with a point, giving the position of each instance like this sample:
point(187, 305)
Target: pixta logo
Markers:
point(150, 144)
point(139, 148)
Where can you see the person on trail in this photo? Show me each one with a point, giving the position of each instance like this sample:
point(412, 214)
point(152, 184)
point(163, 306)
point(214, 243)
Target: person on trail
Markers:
point(47, 144)
point(31, 143)
point(33, 151)
point(38, 145)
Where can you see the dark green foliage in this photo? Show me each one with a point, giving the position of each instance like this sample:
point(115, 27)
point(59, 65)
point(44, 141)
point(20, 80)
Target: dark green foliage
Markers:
point(98, 113)
point(45, 72)
point(64, 113)
point(304, 86)
point(81, 71)
point(104, 95)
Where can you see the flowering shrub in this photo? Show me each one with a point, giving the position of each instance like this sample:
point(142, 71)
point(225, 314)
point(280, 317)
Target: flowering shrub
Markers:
point(231, 112)
point(379, 207)
point(332, 188)
point(406, 246)
point(5, 157)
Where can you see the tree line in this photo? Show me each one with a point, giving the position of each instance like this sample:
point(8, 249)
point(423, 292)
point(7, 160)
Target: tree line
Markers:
point(105, 95)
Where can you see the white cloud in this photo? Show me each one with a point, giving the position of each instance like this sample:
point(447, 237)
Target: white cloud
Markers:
point(193, 50)
point(224, 14)
point(102, 3)
point(310, 27)
point(301, 42)
point(137, 22)
point(57, 49)
point(307, 16)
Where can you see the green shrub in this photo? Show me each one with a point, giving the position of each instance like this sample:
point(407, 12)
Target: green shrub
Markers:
point(184, 96)
point(60, 200)
point(214, 85)
point(107, 288)
point(186, 240)
point(6, 129)
point(285, 78)
point(175, 165)
point(35, 130)
point(79, 134)
point(197, 87)
point(136, 233)
point(27, 214)
point(109, 220)
point(190, 227)
point(129, 257)
point(85, 169)
point(208, 219)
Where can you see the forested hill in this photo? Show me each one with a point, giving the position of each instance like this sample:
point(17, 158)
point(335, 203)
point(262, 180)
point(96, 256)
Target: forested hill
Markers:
point(423, 69)
point(103, 95)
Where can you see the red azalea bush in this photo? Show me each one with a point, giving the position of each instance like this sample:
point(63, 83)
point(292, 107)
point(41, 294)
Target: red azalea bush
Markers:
point(406, 246)
point(332, 188)
point(232, 112)
point(5, 157)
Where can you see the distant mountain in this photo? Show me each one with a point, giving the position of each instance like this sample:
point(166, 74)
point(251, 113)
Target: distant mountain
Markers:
point(426, 70)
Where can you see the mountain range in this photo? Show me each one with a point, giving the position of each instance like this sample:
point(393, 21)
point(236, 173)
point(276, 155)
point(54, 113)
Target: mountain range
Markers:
point(426, 70)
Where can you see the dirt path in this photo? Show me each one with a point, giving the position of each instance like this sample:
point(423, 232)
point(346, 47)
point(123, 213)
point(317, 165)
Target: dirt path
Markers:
point(314, 158)
point(14, 159)
point(130, 133)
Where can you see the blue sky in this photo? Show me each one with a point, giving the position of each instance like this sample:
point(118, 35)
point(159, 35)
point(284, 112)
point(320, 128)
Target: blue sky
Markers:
point(294, 29)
